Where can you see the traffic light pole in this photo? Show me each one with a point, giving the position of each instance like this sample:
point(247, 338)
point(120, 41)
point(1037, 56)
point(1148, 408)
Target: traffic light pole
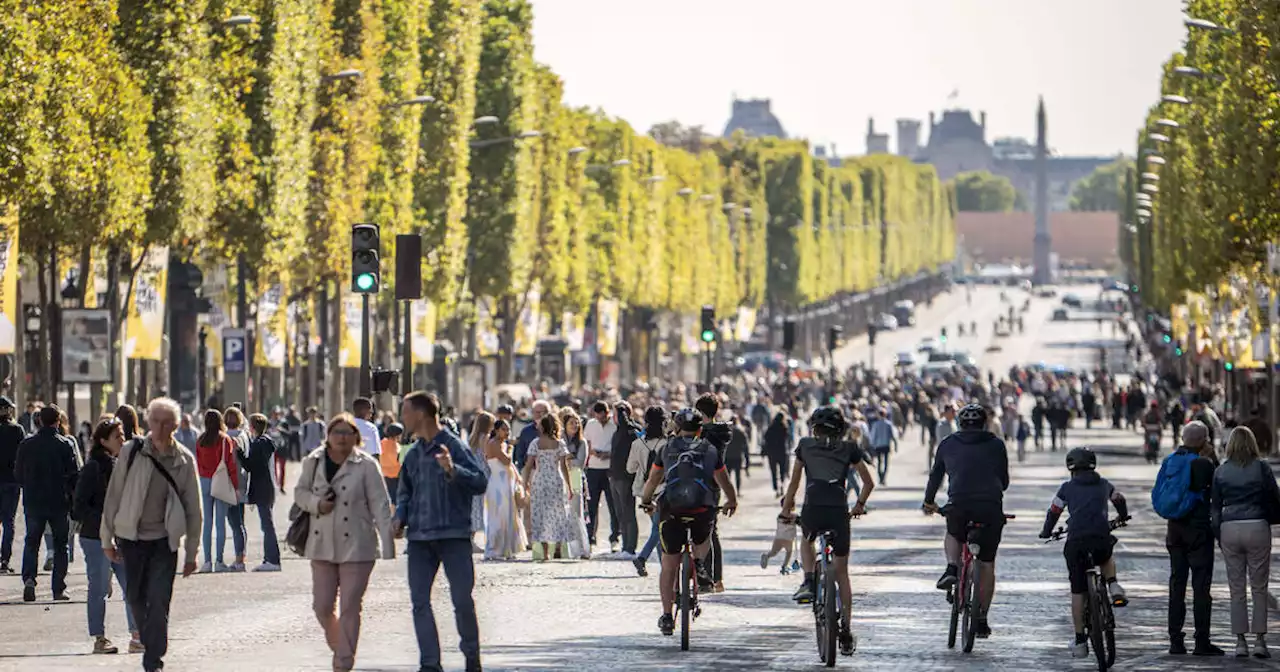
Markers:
point(366, 375)
point(406, 351)
point(706, 351)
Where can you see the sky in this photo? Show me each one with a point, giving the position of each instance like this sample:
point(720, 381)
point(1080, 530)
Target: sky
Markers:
point(829, 65)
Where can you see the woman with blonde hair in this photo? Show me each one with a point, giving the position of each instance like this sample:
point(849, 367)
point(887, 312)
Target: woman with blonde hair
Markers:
point(481, 425)
point(1243, 504)
point(351, 527)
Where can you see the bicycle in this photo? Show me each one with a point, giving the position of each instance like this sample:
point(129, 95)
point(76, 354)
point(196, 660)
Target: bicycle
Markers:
point(1100, 621)
point(687, 600)
point(965, 596)
point(827, 607)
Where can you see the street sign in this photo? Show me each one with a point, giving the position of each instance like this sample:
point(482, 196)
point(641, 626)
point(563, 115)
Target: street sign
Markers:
point(234, 351)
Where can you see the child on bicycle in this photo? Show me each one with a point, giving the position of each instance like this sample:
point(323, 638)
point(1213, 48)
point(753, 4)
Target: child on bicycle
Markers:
point(824, 459)
point(1087, 496)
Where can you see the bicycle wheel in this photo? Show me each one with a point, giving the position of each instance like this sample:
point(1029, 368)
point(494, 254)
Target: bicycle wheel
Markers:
point(1109, 631)
point(830, 614)
point(686, 597)
point(955, 616)
point(972, 604)
point(1095, 599)
point(819, 611)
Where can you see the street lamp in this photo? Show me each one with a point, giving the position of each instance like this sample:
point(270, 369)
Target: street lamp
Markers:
point(1202, 24)
point(1175, 100)
point(1156, 160)
point(706, 198)
point(416, 100)
point(654, 179)
point(1167, 123)
point(1151, 176)
point(237, 20)
point(1188, 71)
point(485, 120)
point(349, 73)
point(621, 163)
point(577, 150)
point(1158, 137)
point(685, 192)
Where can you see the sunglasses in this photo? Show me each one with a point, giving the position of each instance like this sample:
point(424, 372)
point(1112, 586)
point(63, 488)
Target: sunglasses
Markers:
point(342, 432)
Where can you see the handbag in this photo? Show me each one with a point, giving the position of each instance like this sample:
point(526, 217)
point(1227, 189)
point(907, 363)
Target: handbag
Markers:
point(220, 486)
point(1271, 503)
point(300, 524)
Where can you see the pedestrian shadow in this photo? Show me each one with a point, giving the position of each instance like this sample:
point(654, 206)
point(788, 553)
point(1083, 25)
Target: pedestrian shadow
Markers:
point(40, 603)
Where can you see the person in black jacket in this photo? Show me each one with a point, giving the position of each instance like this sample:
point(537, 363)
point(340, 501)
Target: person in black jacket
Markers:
point(620, 482)
point(718, 434)
point(91, 491)
point(777, 450)
point(736, 452)
point(258, 462)
point(46, 469)
point(11, 434)
point(1190, 544)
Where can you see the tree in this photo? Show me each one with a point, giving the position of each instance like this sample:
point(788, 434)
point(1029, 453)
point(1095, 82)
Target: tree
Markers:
point(1103, 189)
point(980, 191)
point(674, 134)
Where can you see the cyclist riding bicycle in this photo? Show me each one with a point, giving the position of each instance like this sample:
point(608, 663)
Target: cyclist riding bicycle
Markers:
point(825, 459)
point(1086, 495)
point(976, 465)
point(688, 465)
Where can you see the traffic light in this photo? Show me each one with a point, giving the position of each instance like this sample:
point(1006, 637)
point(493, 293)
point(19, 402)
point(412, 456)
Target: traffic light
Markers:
point(1177, 349)
point(834, 335)
point(1228, 366)
point(708, 324)
point(943, 337)
point(788, 335)
point(871, 334)
point(366, 267)
point(1133, 288)
point(1166, 338)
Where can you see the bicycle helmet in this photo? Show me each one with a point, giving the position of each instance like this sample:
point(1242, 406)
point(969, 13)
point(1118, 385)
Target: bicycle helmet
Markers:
point(830, 419)
point(1081, 459)
point(688, 420)
point(972, 416)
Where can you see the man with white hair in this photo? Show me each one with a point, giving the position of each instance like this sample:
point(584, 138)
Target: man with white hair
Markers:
point(150, 505)
point(530, 433)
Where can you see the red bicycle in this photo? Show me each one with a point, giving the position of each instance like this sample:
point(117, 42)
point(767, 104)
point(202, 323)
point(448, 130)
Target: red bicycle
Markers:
point(966, 595)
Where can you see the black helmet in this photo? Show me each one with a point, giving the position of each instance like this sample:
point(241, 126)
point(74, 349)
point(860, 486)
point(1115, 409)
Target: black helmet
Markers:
point(1081, 459)
point(972, 416)
point(830, 419)
point(688, 420)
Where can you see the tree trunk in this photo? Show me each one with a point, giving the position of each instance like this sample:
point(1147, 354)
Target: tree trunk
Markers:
point(42, 378)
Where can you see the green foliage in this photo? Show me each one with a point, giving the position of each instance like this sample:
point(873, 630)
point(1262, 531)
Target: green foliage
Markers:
point(980, 191)
point(1102, 190)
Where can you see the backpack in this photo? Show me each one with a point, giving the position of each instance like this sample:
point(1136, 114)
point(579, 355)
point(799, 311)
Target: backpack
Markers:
point(1171, 496)
point(686, 485)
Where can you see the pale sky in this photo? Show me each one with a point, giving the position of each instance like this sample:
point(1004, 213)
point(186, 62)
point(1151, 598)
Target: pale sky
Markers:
point(830, 64)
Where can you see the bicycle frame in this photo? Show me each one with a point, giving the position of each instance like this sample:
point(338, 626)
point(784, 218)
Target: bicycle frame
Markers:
point(826, 602)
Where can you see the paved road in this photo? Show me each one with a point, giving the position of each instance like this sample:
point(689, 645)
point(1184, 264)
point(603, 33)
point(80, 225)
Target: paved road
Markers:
point(599, 616)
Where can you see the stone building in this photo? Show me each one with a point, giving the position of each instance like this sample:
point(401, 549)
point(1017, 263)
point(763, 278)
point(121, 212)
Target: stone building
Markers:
point(755, 118)
point(877, 143)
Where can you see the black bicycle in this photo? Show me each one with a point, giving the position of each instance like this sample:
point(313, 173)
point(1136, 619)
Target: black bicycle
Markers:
point(826, 602)
point(687, 600)
point(1100, 619)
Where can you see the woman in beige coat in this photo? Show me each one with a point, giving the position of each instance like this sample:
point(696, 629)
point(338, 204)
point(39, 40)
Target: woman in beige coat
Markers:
point(343, 490)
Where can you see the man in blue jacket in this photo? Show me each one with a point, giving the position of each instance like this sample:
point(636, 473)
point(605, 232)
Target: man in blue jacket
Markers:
point(433, 509)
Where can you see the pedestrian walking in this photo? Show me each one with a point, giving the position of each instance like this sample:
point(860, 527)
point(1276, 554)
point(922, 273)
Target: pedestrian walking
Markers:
point(437, 481)
point(577, 445)
point(883, 437)
point(236, 431)
point(128, 417)
point(214, 448)
point(546, 474)
point(1243, 500)
point(621, 481)
point(351, 527)
point(639, 463)
point(261, 492)
point(11, 436)
point(599, 433)
point(152, 503)
point(1189, 541)
point(91, 492)
point(777, 450)
point(390, 457)
point(46, 468)
point(476, 442)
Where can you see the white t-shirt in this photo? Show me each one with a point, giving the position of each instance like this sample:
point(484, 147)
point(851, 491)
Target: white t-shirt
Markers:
point(599, 437)
point(369, 440)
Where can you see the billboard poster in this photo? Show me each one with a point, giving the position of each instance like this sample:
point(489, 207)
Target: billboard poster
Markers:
point(422, 318)
point(8, 282)
point(272, 328)
point(144, 321)
point(86, 345)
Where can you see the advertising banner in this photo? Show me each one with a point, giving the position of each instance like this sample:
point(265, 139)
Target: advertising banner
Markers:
point(574, 329)
point(350, 332)
point(144, 321)
point(9, 317)
point(528, 328)
point(272, 334)
point(607, 327)
point(86, 345)
point(422, 317)
point(486, 332)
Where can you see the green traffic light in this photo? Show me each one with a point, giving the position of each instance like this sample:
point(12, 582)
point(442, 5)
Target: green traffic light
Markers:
point(1168, 338)
point(365, 281)
point(1228, 366)
point(708, 336)
point(1177, 351)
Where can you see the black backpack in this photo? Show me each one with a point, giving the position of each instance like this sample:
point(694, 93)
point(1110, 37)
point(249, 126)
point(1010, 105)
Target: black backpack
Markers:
point(687, 486)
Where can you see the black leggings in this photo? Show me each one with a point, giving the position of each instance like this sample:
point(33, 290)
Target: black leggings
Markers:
point(778, 470)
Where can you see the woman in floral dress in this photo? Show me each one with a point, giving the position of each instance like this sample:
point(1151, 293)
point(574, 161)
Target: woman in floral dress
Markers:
point(546, 475)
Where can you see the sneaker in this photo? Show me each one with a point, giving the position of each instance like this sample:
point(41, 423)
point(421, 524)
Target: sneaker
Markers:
point(949, 578)
point(48, 564)
point(29, 591)
point(135, 646)
point(102, 645)
point(1177, 645)
point(267, 567)
point(718, 587)
point(219, 568)
point(1118, 597)
point(667, 624)
point(206, 568)
point(1242, 649)
point(640, 569)
point(61, 597)
point(982, 629)
point(237, 567)
point(1260, 648)
point(804, 594)
point(1079, 649)
point(5, 569)
point(848, 642)
point(613, 547)
point(1206, 648)
point(764, 561)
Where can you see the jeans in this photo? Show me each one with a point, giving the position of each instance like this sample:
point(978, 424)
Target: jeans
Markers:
point(36, 521)
point(329, 582)
point(71, 544)
point(10, 493)
point(221, 511)
point(393, 484)
point(149, 569)
point(736, 470)
point(425, 558)
point(99, 570)
point(625, 504)
point(270, 544)
point(654, 538)
point(882, 462)
point(1190, 552)
point(598, 483)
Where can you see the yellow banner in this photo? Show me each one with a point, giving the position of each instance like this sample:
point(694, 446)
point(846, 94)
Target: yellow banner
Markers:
point(422, 317)
point(350, 332)
point(746, 324)
point(97, 281)
point(607, 327)
point(272, 335)
point(486, 334)
point(528, 328)
point(216, 288)
point(574, 329)
point(144, 321)
point(9, 317)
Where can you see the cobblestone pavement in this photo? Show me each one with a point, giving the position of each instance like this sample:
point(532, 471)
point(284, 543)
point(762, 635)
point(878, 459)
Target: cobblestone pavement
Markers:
point(599, 615)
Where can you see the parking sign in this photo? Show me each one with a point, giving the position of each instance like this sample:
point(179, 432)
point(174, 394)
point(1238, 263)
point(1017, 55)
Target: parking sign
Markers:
point(234, 352)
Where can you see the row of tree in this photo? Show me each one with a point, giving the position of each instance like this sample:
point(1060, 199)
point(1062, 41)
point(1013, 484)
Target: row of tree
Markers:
point(1101, 191)
point(1209, 159)
point(263, 129)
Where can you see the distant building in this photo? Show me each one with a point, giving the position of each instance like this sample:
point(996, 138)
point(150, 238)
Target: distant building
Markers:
point(877, 143)
point(908, 137)
point(755, 118)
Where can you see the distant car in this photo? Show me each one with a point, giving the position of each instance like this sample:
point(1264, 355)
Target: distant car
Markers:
point(906, 359)
point(1060, 315)
point(886, 322)
point(1072, 301)
point(1046, 292)
point(927, 344)
point(938, 356)
point(936, 370)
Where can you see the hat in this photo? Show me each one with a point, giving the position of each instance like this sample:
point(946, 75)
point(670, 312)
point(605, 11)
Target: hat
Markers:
point(5, 403)
point(1195, 434)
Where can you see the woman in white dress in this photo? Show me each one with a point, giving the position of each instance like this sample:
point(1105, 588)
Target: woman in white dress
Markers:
point(546, 474)
point(503, 533)
point(577, 445)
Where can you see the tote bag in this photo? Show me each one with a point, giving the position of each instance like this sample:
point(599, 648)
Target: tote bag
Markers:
point(221, 487)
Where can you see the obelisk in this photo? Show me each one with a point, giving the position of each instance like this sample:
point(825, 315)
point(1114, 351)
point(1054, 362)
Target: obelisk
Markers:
point(1043, 274)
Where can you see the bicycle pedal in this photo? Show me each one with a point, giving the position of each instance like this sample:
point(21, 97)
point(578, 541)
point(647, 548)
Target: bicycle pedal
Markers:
point(697, 611)
point(1120, 602)
point(805, 601)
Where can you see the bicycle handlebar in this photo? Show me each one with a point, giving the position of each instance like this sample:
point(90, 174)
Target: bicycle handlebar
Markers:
point(1058, 534)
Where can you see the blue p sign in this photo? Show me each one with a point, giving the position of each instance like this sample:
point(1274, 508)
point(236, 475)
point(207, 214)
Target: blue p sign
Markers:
point(233, 351)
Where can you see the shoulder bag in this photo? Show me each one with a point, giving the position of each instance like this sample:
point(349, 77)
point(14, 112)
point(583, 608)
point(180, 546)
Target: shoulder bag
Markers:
point(300, 522)
point(221, 486)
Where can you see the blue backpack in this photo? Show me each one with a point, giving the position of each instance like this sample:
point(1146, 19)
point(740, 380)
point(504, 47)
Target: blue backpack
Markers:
point(1171, 497)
